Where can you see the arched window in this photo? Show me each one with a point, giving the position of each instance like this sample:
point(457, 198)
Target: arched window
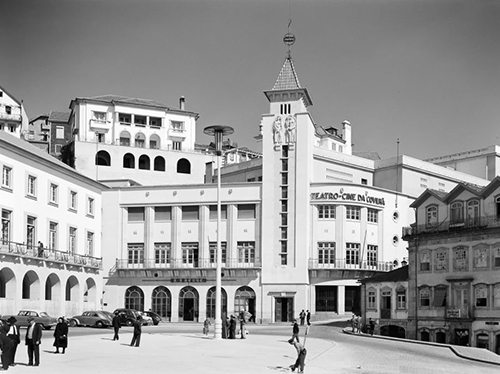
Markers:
point(144, 163)
point(441, 337)
point(432, 216)
point(188, 304)
point(183, 166)
point(424, 335)
point(140, 140)
point(72, 289)
point(134, 298)
point(244, 299)
point(211, 301)
point(125, 138)
point(103, 158)
point(161, 302)
point(457, 212)
point(159, 163)
point(154, 142)
point(129, 161)
point(473, 213)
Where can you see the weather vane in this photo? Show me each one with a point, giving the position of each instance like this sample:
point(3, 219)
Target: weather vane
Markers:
point(289, 38)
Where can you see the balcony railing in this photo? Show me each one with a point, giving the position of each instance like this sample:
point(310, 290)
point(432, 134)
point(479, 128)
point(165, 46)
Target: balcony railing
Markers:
point(456, 225)
point(47, 254)
point(179, 264)
point(10, 117)
point(315, 263)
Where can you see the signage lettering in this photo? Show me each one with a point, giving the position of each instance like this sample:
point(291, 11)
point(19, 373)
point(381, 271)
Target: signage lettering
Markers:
point(188, 280)
point(348, 197)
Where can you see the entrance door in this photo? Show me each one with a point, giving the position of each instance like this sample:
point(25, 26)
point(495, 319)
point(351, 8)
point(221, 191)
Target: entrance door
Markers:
point(352, 299)
point(461, 301)
point(497, 345)
point(188, 309)
point(283, 309)
point(251, 309)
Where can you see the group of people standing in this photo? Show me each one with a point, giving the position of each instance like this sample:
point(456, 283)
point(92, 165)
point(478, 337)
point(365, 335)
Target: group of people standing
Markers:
point(10, 338)
point(230, 324)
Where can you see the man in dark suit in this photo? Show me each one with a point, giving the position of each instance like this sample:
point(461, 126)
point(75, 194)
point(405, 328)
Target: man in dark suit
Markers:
point(116, 325)
point(5, 345)
point(33, 340)
point(136, 339)
point(15, 336)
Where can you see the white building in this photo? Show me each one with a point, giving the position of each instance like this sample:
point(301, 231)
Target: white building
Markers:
point(13, 118)
point(50, 245)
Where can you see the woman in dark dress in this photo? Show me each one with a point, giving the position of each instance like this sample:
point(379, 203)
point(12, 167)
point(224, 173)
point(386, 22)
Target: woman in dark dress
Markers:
point(61, 335)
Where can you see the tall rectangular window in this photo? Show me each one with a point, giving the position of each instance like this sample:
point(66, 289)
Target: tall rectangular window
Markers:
point(372, 215)
point(441, 260)
point(401, 299)
point(90, 206)
point(73, 200)
point(72, 240)
point(90, 244)
point(190, 213)
point(59, 132)
point(326, 211)
point(53, 193)
point(31, 187)
point(163, 213)
point(213, 252)
point(352, 253)
point(352, 212)
point(162, 253)
point(432, 216)
point(53, 235)
point(326, 253)
point(190, 254)
point(177, 146)
point(135, 214)
point(135, 253)
point(6, 229)
point(425, 261)
point(246, 252)
point(460, 259)
point(425, 297)
point(372, 299)
point(7, 177)
point(30, 231)
point(372, 255)
point(246, 211)
point(213, 212)
point(125, 118)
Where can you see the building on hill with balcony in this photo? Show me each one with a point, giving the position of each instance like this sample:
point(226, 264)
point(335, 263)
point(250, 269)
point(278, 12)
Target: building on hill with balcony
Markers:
point(454, 256)
point(13, 118)
point(50, 244)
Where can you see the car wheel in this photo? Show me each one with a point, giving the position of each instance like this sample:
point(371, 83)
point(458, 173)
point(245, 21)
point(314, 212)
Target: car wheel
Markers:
point(130, 322)
point(99, 324)
point(73, 323)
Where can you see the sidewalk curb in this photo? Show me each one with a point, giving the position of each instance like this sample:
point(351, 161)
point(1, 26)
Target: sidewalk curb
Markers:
point(451, 347)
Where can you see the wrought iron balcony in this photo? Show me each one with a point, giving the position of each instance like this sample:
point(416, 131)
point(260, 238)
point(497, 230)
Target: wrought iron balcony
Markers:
point(180, 264)
point(343, 264)
point(30, 252)
point(10, 117)
point(470, 223)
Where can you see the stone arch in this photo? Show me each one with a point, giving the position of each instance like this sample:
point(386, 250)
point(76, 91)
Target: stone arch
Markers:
point(125, 138)
point(183, 166)
point(72, 289)
point(103, 158)
point(139, 140)
point(129, 161)
point(154, 142)
point(53, 288)
point(134, 298)
point(211, 302)
point(31, 286)
point(188, 304)
point(161, 302)
point(90, 294)
point(159, 163)
point(244, 299)
point(7, 283)
point(144, 162)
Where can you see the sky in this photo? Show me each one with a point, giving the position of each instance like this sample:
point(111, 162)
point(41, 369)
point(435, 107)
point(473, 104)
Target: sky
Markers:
point(426, 72)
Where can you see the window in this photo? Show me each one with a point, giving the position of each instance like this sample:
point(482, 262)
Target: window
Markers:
point(135, 253)
point(190, 213)
point(497, 203)
point(129, 161)
point(496, 252)
point(101, 138)
point(372, 299)
point(457, 212)
point(177, 126)
point(473, 213)
point(213, 252)
point(53, 193)
point(326, 253)
point(496, 296)
point(6, 216)
point(140, 141)
point(89, 251)
point(425, 297)
point(163, 213)
point(125, 138)
point(7, 177)
point(372, 255)
point(144, 163)
point(177, 146)
point(425, 262)
point(372, 215)
point(442, 260)
point(213, 212)
point(99, 116)
point(155, 122)
point(326, 211)
point(72, 240)
point(59, 132)
point(162, 253)
point(8, 109)
point(73, 199)
point(247, 211)
point(352, 212)
point(140, 120)
point(190, 254)
point(481, 293)
point(432, 216)
point(364, 181)
point(154, 142)
point(439, 297)
point(31, 185)
point(125, 119)
point(30, 231)
point(52, 235)
point(246, 252)
point(460, 260)
point(352, 253)
point(90, 206)
point(159, 163)
point(135, 214)
point(400, 298)
point(183, 166)
point(481, 257)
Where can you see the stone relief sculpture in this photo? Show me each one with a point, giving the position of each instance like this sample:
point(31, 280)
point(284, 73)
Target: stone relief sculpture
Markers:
point(277, 131)
point(290, 126)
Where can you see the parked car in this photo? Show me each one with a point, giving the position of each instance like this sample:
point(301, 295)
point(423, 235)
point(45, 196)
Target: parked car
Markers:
point(127, 316)
point(155, 316)
point(40, 317)
point(94, 318)
point(146, 320)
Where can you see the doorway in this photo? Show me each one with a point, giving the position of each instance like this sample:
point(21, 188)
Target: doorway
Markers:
point(188, 310)
point(283, 309)
point(352, 299)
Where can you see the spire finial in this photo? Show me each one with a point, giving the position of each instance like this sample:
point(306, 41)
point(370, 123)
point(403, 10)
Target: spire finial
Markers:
point(289, 38)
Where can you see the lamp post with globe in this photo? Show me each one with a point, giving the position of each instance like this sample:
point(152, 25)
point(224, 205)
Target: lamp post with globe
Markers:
point(218, 131)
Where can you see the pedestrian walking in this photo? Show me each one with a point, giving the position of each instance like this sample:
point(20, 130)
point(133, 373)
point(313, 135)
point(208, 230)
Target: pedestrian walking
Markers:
point(33, 341)
point(295, 331)
point(242, 324)
point(61, 335)
point(116, 325)
point(371, 324)
point(6, 345)
point(301, 357)
point(353, 323)
point(15, 336)
point(136, 338)
point(308, 318)
point(302, 317)
point(357, 325)
point(206, 326)
point(232, 327)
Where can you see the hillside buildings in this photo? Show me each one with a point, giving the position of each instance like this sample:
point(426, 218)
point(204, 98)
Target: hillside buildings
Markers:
point(13, 118)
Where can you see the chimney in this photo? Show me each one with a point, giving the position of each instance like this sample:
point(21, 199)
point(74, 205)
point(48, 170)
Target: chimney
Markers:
point(347, 136)
point(182, 103)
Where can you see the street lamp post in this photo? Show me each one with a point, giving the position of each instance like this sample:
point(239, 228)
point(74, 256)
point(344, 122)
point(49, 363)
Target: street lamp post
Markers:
point(218, 131)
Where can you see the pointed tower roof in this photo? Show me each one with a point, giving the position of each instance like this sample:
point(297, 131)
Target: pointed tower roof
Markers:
point(287, 79)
